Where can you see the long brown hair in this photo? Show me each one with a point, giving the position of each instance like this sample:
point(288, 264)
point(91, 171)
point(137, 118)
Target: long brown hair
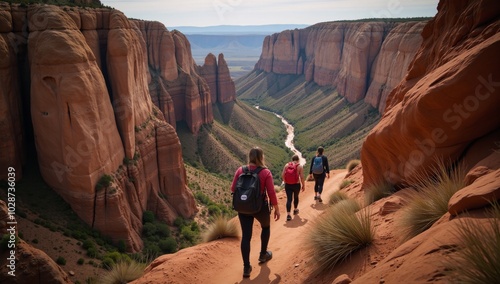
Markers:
point(256, 156)
point(320, 150)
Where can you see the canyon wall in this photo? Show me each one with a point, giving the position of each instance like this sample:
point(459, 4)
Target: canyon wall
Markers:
point(447, 105)
point(363, 60)
point(103, 95)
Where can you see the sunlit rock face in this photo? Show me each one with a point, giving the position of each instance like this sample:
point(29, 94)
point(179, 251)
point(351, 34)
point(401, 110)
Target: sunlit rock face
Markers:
point(447, 104)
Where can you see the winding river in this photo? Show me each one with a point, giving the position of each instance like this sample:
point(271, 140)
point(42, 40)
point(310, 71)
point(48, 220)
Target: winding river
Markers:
point(289, 137)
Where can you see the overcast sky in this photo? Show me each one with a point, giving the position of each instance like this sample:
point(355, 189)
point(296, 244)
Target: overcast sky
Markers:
point(201, 13)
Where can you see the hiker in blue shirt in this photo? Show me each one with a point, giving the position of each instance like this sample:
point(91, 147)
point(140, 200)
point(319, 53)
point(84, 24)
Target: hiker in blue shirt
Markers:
point(319, 170)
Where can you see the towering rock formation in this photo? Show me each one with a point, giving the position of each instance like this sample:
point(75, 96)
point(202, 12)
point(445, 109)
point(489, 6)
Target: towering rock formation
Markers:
point(363, 60)
point(226, 91)
point(209, 72)
point(105, 94)
point(174, 83)
point(218, 78)
point(447, 105)
point(11, 120)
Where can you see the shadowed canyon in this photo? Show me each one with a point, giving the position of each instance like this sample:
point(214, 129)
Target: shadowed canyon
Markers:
point(115, 117)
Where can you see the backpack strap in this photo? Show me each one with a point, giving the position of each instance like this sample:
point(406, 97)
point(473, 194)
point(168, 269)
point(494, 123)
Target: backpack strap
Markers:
point(258, 169)
point(247, 170)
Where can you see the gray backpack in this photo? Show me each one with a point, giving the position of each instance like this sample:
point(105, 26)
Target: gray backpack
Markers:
point(317, 167)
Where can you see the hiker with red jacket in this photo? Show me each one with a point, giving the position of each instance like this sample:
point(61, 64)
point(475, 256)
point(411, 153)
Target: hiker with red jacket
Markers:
point(256, 162)
point(319, 170)
point(293, 177)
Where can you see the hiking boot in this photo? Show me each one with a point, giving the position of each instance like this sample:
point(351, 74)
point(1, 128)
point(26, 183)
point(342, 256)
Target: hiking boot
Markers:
point(315, 197)
point(288, 218)
point(265, 256)
point(246, 271)
point(319, 199)
point(295, 211)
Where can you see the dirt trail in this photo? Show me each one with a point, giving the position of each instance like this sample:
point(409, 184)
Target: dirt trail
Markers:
point(286, 243)
point(220, 261)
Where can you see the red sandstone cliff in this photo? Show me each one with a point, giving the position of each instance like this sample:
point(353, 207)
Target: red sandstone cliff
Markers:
point(181, 89)
point(219, 80)
point(447, 105)
point(363, 60)
point(105, 94)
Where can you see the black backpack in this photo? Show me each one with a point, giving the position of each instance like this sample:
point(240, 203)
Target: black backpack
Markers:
point(247, 196)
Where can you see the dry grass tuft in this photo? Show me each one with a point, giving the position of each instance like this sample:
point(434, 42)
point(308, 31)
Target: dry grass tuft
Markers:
point(337, 196)
point(338, 234)
point(378, 191)
point(430, 200)
point(345, 183)
point(124, 272)
point(222, 227)
point(478, 259)
point(352, 164)
point(349, 206)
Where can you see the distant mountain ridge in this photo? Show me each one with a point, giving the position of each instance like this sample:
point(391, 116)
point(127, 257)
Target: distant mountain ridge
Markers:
point(241, 45)
point(237, 29)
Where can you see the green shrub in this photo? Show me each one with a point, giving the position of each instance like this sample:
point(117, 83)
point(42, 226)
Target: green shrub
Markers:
point(188, 234)
point(336, 235)
point(80, 261)
point(86, 244)
point(162, 230)
point(152, 249)
point(148, 216)
point(202, 198)
point(104, 182)
point(194, 227)
point(168, 245)
point(149, 229)
point(107, 263)
point(222, 227)
point(61, 261)
point(92, 252)
point(214, 210)
point(478, 257)
point(179, 221)
point(352, 164)
point(429, 201)
point(116, 256)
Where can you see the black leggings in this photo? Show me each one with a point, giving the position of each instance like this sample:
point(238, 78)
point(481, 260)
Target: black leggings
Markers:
point(292, 191)
point(246, 222)
point(319, 180)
